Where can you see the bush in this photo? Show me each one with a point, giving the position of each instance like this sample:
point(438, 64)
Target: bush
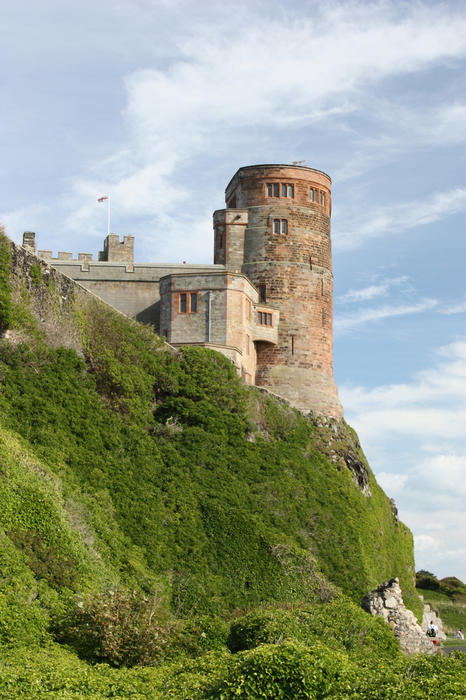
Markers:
point(290, 670)
point(341, 624)
point(118, 627)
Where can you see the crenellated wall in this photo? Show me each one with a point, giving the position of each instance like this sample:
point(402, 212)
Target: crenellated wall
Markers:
point(266, 302)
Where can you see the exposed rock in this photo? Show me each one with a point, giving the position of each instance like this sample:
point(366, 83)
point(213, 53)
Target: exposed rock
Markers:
point(387, 601)
point(394, 508)
point(431, 615)
point(340, 444)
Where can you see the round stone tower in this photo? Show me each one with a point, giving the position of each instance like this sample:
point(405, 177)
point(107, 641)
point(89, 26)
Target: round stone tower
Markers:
point(287, 255)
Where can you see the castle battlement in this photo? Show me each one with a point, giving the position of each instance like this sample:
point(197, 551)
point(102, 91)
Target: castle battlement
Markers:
point(267, 300)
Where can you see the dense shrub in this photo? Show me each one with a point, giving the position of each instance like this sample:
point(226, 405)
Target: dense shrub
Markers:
point(290, 670)
point(340, 624)
point(121, 628)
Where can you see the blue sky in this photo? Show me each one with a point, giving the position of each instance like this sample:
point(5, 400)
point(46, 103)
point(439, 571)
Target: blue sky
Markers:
point(158, 102)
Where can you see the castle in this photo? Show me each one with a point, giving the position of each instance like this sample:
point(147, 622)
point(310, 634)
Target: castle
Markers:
point(265, 302)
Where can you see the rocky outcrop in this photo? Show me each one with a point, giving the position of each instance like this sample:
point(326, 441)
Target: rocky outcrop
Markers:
point(431, 615)
point(337, 441)
point(387, 601)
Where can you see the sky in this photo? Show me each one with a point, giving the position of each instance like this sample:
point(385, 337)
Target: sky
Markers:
point(157, 103)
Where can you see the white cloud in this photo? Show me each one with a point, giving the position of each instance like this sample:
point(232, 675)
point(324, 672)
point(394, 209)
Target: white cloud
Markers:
point(398, 218)
point(373, 290)
point(229, 85)
point(392, 483)
point(426, 543)
point(455, 309)
point(414, 436)
point(363, 315)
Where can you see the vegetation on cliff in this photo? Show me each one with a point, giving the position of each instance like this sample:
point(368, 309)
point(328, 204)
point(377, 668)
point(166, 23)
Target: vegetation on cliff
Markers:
point(150, 498)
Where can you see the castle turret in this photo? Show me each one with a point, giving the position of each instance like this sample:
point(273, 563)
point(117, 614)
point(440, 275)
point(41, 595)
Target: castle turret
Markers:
point(287, 255)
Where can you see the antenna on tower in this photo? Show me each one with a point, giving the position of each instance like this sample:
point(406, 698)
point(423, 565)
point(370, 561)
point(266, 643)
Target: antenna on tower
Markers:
point(298, 162)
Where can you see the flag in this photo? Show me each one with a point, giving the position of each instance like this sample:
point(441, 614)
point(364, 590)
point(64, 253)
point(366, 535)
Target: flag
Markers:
point(101, 199)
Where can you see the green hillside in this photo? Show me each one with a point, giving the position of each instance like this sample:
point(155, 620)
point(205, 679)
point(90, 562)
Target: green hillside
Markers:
point(149, 498)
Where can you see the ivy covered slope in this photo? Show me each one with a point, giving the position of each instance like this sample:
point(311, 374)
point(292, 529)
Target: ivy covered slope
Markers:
point(157, 512)
point(166, 471)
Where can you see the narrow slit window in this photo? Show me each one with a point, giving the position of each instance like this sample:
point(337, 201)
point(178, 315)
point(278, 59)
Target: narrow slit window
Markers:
point(284, 190)
point(269, 190)
point(183, 303)
point(276, 189)
point(292, 344)
point(285, 226)
point(322, 198)
point(290, 190)
point(262, 292)
point(276, 225)
point(193, 303)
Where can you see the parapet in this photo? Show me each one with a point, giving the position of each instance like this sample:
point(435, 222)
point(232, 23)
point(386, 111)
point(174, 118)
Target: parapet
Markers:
point(116, 250)
point(29, 241)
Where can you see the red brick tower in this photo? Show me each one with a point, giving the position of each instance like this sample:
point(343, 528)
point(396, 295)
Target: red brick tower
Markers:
point(287, 255)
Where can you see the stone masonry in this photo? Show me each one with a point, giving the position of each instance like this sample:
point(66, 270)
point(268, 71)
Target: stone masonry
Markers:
point(266, 302)
point(387, 601)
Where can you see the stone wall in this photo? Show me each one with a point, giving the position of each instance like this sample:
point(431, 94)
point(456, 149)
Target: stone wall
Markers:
point(387, 602)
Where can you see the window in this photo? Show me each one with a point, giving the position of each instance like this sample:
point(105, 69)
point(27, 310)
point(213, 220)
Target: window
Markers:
point(188, 302)
point(220, 241)
point(248, 309)
point(277, 189)
point(264, 318)
point(280, 226)
point(313, 194)
point(262, 293)
point(322, 198)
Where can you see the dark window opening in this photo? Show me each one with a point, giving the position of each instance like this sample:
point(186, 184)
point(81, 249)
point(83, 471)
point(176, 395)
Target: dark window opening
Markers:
point(276, 189)
point(292, 344)
point(188, 302)
point(269, 190)
point(284, 226)
point(262, 292)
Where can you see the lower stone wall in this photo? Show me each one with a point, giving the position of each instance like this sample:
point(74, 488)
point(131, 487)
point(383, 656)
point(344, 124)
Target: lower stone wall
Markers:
point(305, 388)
